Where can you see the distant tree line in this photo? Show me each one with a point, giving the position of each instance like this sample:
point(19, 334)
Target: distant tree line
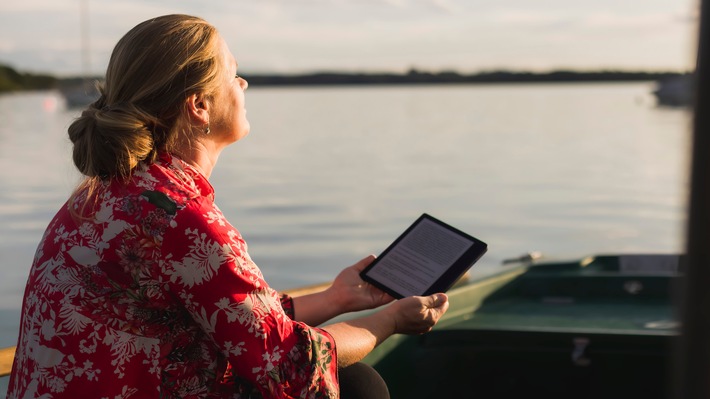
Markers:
point(417, 77)
point(12, 80)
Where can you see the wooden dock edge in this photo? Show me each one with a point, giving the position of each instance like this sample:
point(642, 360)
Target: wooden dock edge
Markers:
point(6, 357)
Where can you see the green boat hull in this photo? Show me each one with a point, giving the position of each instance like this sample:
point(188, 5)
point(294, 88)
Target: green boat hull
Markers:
point(601, 327)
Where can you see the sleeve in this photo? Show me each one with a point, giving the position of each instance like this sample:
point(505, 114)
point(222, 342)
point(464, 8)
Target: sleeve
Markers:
point(287, 305)
point(207, 265)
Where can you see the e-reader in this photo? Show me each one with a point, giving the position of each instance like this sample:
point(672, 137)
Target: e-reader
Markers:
point(427, 258)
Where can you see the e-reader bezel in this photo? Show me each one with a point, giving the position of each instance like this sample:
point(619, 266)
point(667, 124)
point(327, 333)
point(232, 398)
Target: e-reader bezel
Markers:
point(446, 280)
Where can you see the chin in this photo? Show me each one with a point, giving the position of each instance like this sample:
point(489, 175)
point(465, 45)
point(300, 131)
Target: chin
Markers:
point(242, 134)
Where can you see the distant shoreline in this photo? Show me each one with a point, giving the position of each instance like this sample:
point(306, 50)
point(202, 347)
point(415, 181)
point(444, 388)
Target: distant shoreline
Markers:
point(416, 77)
point(12, 80)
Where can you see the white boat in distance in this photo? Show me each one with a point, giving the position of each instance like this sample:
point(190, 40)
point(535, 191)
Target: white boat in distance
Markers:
point(79, 94)
point(676, 91)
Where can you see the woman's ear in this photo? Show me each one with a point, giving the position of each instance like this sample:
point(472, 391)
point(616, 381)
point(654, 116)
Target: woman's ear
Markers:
point(198, 109)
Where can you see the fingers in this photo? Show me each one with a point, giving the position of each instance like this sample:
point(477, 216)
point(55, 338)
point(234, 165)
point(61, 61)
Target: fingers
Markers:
point(387, 298)
point(437, 300)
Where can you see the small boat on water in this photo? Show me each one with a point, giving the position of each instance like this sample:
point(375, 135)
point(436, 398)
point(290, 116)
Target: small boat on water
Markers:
point(79, 93)
point(676, 91)
point(597, 327)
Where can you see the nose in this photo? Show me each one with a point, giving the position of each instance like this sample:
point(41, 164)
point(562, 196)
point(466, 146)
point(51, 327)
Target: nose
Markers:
point(243, 83)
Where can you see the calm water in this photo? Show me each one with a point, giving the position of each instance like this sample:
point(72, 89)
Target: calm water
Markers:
point(329, 175)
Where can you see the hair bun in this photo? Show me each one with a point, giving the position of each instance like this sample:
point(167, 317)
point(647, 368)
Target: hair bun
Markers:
point(110, 141)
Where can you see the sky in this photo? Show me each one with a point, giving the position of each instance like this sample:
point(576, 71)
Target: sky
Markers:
point(302, 36)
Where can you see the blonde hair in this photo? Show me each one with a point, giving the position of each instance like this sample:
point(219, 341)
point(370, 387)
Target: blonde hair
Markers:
point(153, 69)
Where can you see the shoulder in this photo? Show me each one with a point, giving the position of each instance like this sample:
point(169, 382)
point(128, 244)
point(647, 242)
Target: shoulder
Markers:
point(172, 178)
point(182, 193)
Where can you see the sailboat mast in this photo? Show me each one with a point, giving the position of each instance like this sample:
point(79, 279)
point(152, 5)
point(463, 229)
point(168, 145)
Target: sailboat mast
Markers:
point(84, 26)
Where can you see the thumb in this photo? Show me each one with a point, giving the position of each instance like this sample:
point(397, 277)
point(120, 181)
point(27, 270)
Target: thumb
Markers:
point(364, 262)
point(437, 300)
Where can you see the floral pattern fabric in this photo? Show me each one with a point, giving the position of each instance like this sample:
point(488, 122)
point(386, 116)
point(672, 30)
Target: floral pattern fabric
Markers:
point(144, 290)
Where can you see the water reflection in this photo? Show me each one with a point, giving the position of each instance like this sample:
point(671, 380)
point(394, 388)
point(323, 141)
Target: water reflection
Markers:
point(329, 175)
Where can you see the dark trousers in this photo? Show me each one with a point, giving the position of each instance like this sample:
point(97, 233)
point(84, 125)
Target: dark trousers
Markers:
point(360, 381)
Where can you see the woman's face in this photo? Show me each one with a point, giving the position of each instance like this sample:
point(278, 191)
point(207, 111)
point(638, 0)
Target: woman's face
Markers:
point(228, 119)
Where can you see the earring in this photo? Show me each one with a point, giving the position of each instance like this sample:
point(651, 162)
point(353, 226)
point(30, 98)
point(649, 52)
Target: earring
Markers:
point(207, 129)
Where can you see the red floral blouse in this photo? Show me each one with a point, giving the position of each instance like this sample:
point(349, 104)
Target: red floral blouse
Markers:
point(152, 294)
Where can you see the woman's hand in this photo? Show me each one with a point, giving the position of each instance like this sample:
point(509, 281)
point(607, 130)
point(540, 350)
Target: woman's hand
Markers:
point(417, 314)
point(352, 294)
point(413, 315)
point(348, 293)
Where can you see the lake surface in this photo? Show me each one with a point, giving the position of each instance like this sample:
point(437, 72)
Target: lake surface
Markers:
point(329, 175)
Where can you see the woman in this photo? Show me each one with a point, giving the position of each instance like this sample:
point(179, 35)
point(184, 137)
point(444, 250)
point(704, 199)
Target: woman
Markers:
point(141, 288)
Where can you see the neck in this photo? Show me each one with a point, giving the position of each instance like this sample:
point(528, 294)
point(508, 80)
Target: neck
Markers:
point(201, 155)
